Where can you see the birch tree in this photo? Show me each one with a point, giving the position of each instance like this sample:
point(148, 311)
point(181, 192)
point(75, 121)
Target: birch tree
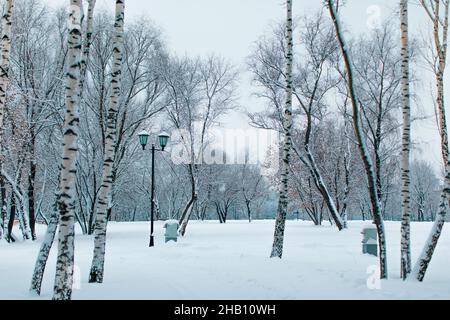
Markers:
point(5, 48)
point(93, 124)
point(98, 261)
point(320, 48)
point(368, 164)
point(37, 67)
point(405, 265)
point(66, 194)
point(52, 223)
point(87, 42)
point(280, 223)
point(377, 68)
point(3, 207)
point(44, 252)
point(5, 43)
point(440, 37)
point(312, 82)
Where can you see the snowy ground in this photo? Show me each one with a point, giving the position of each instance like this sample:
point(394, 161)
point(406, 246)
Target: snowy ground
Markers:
point(231, 262)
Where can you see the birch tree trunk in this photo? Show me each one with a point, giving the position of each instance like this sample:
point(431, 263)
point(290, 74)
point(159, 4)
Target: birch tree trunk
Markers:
point(368, 164)
point(4, 60)
point(44, 252)
point(12, 217)
point(3, 207)
point(41, 262)
point(52, 224)
point(187, 212)
point(98, 261)
point(5, 47)
point(320, 184)
point(277, 248)
point(30, 191)
point(347, 165)
point(66, 194)
point(87, 44)
point(440, 40)
point(405, 263)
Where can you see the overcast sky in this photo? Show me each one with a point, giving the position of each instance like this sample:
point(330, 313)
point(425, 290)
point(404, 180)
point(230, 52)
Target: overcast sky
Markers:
point(230, 27)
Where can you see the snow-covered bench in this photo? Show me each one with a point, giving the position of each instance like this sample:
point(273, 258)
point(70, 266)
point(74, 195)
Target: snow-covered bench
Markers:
point(171, 233)
point(369, 242)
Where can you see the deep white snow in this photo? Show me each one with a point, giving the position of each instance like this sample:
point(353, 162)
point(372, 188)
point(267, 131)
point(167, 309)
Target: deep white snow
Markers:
point(232, 261)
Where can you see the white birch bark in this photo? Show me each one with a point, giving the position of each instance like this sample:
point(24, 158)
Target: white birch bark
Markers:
point(41, 262)
point(98, 261)
point(5, 48)
point(405, 263)
point(347, 164)
point(21, 203)
point(87, 42)
point(52, 224)
point(5, 43)
point(321, 186)
point(368, 164)
point(66, 193)
point(440, 39)
point(22, 224)
point(3, 207)
point(277, 248)
point(187, 212)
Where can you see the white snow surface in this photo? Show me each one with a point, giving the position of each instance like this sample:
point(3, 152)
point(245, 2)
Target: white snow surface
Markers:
point(231, 261)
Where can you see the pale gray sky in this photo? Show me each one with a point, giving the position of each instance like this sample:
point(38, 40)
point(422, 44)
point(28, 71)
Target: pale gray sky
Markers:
point(230, 27)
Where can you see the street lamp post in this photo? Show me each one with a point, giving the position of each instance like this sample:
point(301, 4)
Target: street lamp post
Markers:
point(163, 140)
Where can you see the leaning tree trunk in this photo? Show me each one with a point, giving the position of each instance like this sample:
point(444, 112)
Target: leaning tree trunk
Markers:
point(187, 212)
point(278, 240)
point(421, 267)
point(405, 260)
point(41, 262)
point(44, 252)
point(320, 184)
point(98, 261)
point(368, 165)
point(67, 190)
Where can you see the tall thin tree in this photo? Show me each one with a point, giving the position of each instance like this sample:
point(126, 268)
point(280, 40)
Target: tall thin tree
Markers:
point(280, 224)
point(98, 261)
point(5, 48)
point(5, 43)
point(406, 145)
point(41, 261)
point(368, 163)
point(66, 193)
point(87, 42)
point(440, 37)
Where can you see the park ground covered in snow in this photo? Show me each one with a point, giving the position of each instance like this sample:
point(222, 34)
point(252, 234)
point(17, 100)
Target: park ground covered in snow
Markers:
point(231, 261)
